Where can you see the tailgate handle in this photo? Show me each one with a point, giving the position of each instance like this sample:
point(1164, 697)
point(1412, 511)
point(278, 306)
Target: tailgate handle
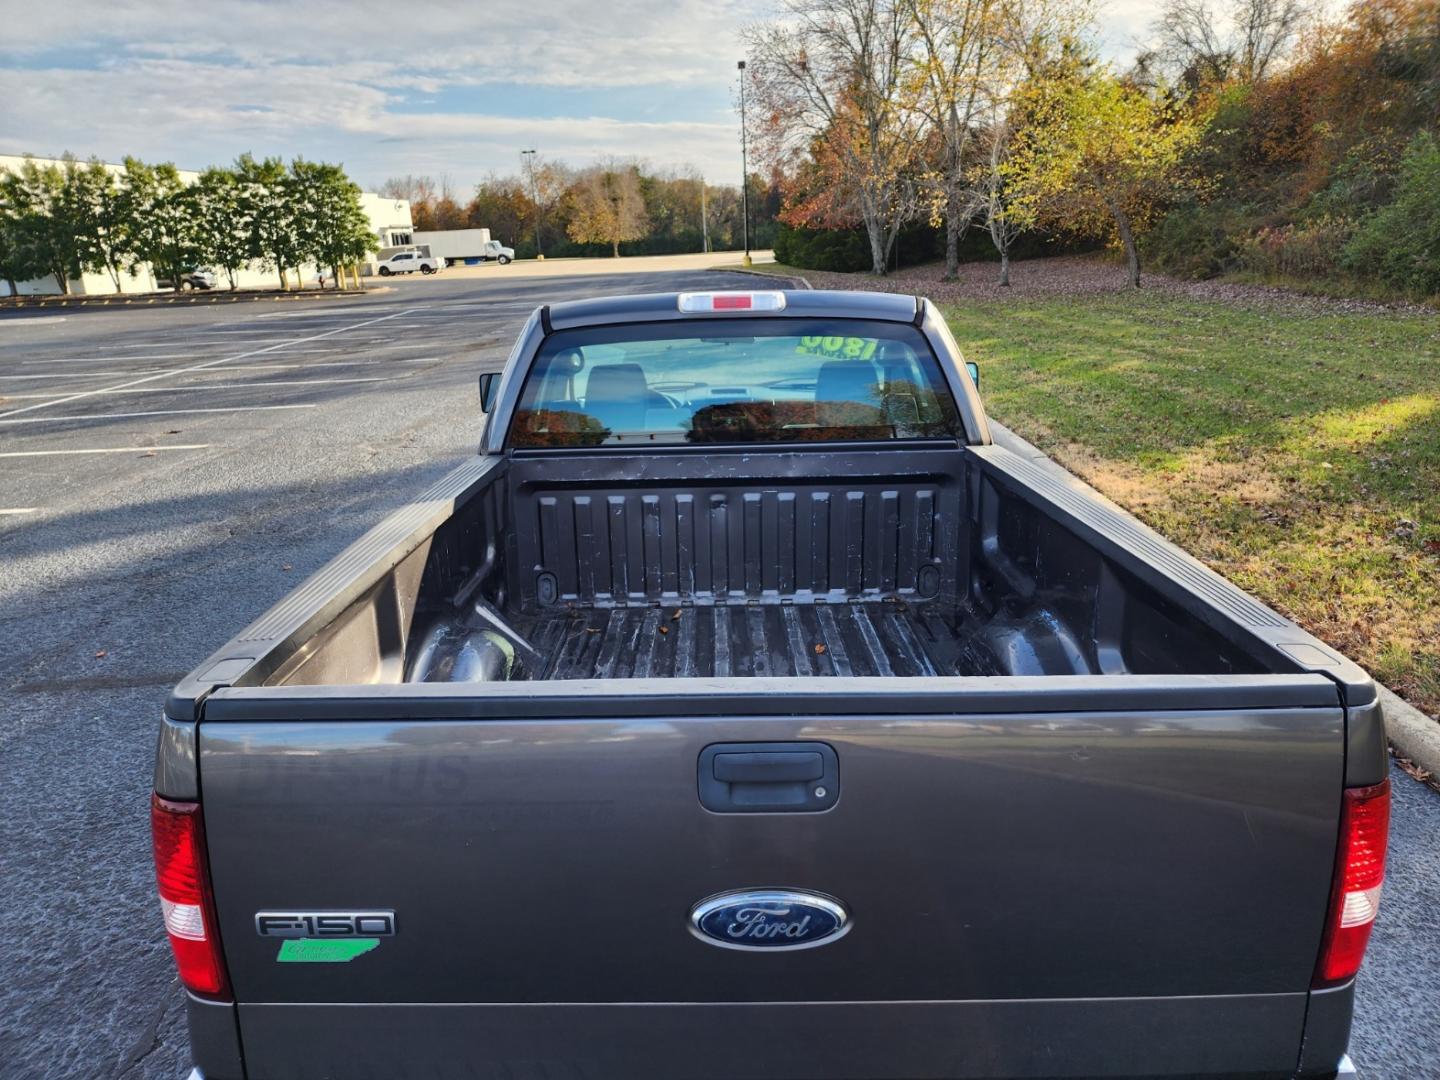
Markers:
point(783, 766)
point(751, 778)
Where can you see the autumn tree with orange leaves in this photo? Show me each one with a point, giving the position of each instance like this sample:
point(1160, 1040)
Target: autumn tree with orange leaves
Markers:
point(832, 83)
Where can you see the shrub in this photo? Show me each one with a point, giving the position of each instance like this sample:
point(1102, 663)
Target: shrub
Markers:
point(1311, 249)
point(1400, 242)
point(823, 249)
point(1195, 240)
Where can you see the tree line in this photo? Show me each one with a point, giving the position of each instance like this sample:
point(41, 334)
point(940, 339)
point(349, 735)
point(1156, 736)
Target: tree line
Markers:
point(63, 219)
point(613, 207)
point(1263, 135)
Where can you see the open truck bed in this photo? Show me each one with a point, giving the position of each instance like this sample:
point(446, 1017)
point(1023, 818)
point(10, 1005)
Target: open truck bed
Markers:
point(1076, 798)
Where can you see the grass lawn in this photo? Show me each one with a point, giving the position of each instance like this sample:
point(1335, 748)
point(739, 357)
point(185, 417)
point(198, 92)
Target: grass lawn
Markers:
point(1296, 453)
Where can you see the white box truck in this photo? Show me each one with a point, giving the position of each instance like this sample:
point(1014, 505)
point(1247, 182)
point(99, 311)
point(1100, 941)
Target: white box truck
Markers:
point(463, 246)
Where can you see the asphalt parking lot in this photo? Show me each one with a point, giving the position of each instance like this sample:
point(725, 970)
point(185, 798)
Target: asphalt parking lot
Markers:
point(166, 475)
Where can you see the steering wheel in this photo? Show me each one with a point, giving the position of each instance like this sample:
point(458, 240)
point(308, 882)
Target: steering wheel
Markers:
point(677, 386)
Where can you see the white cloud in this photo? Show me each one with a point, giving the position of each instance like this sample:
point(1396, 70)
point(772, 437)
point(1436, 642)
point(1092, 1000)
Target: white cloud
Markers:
point(547, 42)
point(198, 83)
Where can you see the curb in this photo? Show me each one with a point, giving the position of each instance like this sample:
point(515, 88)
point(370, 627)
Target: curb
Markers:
point(10, 303)
point(792, 278)
point(1413, 735)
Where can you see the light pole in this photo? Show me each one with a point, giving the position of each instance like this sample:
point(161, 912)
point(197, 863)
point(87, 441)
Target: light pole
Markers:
point(744, 171)
point(704, 221)
point(529, 156)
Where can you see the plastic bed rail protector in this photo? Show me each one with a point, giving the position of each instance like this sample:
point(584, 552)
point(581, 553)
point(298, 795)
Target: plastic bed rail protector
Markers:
point(332, 588)
point(786, 696)
point(1174, 572)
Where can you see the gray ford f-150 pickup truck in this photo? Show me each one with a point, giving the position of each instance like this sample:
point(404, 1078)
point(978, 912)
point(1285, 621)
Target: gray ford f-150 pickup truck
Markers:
point(742, 712)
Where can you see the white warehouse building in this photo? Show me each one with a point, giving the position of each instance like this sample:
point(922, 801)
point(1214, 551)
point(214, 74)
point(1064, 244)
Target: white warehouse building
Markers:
point(389, 219)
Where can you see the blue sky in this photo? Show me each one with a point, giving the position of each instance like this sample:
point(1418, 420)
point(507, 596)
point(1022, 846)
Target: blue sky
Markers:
point(451, 90)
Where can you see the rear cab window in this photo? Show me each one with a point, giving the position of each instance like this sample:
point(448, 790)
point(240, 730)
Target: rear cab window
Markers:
point(734, 381)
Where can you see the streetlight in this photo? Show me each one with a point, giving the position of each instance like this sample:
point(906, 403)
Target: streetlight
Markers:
point(744, 172)
point(529, 156)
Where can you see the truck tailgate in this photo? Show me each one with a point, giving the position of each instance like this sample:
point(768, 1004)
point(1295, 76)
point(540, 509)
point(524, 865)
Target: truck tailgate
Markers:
point(1018, 880)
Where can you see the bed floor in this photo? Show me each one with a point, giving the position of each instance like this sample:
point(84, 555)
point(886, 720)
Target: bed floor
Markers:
point(757, 640)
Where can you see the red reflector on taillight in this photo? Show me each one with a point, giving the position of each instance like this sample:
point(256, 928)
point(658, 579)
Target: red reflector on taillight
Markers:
point(185, 901)
point(1359, 875)
point(733, 301)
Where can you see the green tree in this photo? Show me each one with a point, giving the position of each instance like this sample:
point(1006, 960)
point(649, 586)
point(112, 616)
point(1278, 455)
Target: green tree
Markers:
point(95, 208)
point(265, 200)
point(334, 230)
point(159, 221)
point(17, 258)
point(1092, 155)
point(45, 235)
point(222, 236)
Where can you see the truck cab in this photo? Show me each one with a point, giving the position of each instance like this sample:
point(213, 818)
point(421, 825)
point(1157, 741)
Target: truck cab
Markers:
point(497, 251)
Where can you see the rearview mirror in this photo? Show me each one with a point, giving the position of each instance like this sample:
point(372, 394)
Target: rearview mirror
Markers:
point(488, 384)
point(974, 370)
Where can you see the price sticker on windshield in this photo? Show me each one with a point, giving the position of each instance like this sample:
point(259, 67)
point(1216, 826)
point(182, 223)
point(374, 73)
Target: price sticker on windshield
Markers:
point(847, 348)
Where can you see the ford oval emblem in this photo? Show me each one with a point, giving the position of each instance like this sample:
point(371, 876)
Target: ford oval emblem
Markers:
point(769, 919)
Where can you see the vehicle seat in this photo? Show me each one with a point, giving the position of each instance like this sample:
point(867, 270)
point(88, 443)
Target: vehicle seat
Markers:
point(841, 386)
point(617, 395)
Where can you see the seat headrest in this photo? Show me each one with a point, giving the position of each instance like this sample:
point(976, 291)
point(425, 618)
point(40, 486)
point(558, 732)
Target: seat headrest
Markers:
point(617, 382)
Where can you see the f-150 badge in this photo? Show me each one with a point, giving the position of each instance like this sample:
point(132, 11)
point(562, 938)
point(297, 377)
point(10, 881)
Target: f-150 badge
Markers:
point(325, 924)
point(769, 919)
point(324, 937)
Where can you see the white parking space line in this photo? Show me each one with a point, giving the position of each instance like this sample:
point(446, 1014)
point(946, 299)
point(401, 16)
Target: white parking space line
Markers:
point(229, 367)
point(144, 345)
point(105, 359)
point(106, 450)
point(320, 314)
point(197, 367)
point(167, 356)
point(81, 374)
point(207, 387)
point(20, 510)
point(86, 417)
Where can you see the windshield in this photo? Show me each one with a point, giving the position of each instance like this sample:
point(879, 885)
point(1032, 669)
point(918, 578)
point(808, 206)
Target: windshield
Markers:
point(734, 381)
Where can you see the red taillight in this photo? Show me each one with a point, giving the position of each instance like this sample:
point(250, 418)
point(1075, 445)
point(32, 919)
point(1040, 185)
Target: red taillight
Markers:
point(185, 901)
point(1359, 874)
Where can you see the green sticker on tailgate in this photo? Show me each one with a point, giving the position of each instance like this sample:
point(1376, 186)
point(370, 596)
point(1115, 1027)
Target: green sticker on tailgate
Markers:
point(321, 951)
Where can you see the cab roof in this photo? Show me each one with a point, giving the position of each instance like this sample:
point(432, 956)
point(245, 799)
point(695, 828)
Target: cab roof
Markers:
point(662, 307)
